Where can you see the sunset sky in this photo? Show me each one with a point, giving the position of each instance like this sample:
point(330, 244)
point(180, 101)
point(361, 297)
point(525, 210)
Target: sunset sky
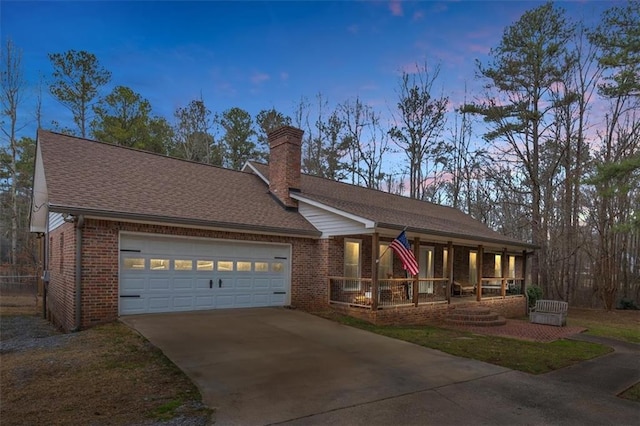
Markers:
point(263, 54)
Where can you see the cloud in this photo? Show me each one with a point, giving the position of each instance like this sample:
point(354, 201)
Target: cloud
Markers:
point(418, 15)
point(284, 76)
point(479, 48)
point(259, 77)
point(353, 28)
point(395, 6)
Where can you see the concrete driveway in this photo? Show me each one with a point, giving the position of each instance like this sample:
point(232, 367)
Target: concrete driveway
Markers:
point(270, 365)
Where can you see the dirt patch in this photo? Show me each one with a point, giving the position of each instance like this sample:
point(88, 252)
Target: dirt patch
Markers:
point(105, 375)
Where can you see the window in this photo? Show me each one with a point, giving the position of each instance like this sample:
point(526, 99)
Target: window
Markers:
point(261, 267)
point(352, 258)
point(497, 268)
point(204, 265)
point(445, 260)
point(225, 265)
point(385, 266)
point(277, 267)
point(512, 266)
point(182, 265)
point(473, 267)
point(159, 264)
point(132, 263)
point(352, 250)
point(426, 269)
point(244, 266)
point(497, 272)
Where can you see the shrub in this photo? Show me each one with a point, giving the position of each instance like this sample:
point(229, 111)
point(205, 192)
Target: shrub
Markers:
point(627, 304)
point(534, 293)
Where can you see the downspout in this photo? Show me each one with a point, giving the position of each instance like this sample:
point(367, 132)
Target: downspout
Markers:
point(79, 225)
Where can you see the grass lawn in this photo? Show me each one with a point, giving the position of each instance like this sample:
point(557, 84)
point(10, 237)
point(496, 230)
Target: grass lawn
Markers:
point(530, 357)
point(620, 325)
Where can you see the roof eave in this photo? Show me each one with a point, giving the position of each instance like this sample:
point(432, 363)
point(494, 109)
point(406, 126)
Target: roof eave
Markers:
point(368, 223)
point(459, 236)
point(177, 221)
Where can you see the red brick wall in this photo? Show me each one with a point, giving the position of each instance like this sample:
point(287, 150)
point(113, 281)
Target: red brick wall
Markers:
point(312, 261)
point(285, 146)
point(510, 307)
point(100, 262)
point(61, 264)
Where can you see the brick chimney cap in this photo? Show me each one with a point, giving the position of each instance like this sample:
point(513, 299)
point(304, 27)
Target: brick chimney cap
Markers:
point(292, 134)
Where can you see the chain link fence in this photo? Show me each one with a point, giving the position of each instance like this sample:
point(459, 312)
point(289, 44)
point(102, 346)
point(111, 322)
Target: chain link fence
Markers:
point(19, 294)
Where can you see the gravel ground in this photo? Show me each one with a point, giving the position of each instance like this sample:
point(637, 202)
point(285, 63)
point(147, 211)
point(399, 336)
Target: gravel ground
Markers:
point(21, 332)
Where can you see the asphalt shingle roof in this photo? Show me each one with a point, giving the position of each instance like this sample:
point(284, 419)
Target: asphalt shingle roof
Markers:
point(392, 210)
point(108, 179)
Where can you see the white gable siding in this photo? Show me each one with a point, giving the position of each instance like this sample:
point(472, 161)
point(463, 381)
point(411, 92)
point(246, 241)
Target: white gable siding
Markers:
point(55, 220)
point(330, 223)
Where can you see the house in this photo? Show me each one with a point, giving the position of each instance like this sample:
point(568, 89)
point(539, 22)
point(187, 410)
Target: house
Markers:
point(127, 232)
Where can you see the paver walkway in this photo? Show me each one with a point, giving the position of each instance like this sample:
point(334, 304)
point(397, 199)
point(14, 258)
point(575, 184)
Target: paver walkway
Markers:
point(523, 330)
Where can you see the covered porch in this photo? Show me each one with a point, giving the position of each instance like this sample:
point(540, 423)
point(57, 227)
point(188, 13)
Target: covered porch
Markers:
point(451, 273)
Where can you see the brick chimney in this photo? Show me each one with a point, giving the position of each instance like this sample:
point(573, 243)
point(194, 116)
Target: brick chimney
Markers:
point(285, 149)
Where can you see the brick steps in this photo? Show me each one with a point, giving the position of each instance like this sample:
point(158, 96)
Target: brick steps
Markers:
point(479, 317)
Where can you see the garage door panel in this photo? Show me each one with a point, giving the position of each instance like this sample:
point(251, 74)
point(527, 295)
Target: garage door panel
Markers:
point(261, 283)
point(132, 284)
point(223, 301)
point(243, 283)
point(261, 299)
point(183, 301)
point(204, 301)
point(133, 305)
point(159, 284)
point(183, 283)
point(156, 303)
point(178, 274)
point(277, 284)
point(277, 299)
point(203, 284)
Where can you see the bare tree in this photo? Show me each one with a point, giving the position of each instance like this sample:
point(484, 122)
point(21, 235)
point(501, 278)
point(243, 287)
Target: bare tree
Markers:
point(365, 141)
point(13, 84)
point(193, 139)
point(617, 177)
point(322, 147)
point(421, 120)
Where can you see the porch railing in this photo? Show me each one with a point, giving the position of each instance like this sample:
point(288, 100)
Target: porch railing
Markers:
point(502, 286)
point(391, 291)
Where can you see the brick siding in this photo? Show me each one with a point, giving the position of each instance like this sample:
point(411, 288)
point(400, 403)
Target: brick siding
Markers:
point(312, 261)
point(433, 313)
point(100, 263)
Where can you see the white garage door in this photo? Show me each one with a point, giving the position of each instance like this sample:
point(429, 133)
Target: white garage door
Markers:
point(165, 274)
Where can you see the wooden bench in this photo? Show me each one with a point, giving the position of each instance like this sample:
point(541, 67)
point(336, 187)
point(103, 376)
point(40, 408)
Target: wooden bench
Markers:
point(550, 312)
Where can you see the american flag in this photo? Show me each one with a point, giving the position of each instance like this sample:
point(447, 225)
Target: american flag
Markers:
point(401, 247)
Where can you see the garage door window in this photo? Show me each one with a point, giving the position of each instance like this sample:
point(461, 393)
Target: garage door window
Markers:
point(225, 266)
point(205, 265)
point(159, 264)
point(244, 266)
point(261, 266)
point(277, 267)
point(134, 263)
point(183, 265)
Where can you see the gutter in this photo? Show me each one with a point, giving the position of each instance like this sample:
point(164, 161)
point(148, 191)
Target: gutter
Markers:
point(459, 236)
point(174, 221)
point(78, 277)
